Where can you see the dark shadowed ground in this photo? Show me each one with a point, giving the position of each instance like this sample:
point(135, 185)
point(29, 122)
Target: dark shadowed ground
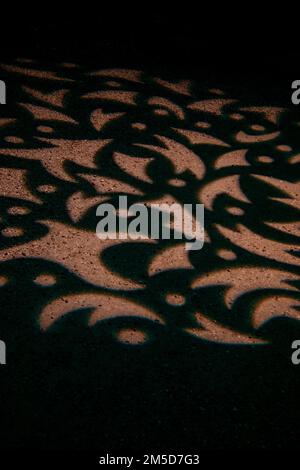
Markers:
point(176, 364)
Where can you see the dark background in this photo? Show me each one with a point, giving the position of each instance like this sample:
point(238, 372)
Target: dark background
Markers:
point(174, 395)
point(244, 39)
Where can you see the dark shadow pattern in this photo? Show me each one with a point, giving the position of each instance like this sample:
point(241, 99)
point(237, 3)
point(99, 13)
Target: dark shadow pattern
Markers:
point(71, 138)
point(74, 138)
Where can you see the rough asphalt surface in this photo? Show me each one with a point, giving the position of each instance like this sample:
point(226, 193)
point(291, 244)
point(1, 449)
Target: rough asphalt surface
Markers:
point(116, 343)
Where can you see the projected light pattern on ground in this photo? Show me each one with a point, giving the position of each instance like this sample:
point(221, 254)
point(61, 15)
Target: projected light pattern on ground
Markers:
point(72, 138)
